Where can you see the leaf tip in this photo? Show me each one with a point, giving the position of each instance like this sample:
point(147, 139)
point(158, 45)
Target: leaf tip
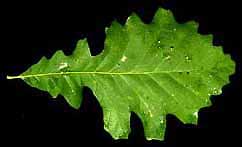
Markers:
point(133, 19)
point(163, 14)
point(73, 100)
point(82, 49)
point(75, 106)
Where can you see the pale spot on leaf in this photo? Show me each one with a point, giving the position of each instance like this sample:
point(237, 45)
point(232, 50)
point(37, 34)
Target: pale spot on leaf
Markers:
point(195, 114)
point(63, 65)
point(124, 58)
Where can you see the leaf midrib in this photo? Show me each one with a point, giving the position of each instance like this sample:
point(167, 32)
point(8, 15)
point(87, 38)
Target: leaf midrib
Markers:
point(92, 72)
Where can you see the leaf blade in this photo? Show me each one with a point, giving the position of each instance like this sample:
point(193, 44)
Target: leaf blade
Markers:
point(149, 69)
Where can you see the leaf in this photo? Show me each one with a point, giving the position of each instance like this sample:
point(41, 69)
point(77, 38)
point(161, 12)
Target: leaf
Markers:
point(150, 69)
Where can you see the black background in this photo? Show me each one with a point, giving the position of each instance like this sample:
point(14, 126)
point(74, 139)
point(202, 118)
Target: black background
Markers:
point(31, 30)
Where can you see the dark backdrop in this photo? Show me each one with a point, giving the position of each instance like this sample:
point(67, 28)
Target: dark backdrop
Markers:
point(31, 30)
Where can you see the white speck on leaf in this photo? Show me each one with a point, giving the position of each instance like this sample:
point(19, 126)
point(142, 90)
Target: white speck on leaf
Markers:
point(128, 18)
point(124, 58)
point(195, 114)
point(171, 48)
point(151, 115)
point(217, 91)
point(187, 58)
point(63, 65)
point(167, 57)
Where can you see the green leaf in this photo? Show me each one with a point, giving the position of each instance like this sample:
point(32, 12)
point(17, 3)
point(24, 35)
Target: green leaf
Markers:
point(150, 69)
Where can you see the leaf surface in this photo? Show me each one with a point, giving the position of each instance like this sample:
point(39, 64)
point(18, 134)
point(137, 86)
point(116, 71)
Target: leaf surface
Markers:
point(150, 69)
